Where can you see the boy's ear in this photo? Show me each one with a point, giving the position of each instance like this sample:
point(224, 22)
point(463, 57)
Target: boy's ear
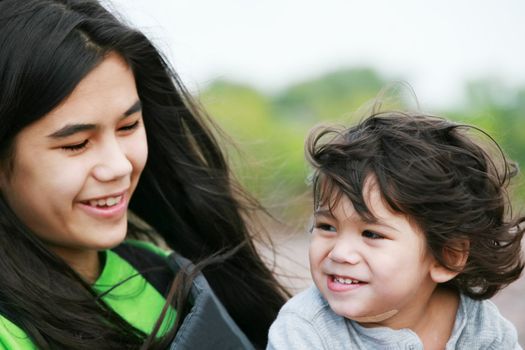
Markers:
point(455, 256)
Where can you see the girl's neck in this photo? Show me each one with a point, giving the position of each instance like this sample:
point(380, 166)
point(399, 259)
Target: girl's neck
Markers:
point(85, 262)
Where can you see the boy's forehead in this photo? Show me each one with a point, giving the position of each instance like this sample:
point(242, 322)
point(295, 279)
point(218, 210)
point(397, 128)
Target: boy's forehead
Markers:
point(331, 195)
point(337, 204)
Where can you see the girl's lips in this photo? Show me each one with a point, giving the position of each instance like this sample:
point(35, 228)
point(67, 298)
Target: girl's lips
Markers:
point(115, 211)
point(342, 284)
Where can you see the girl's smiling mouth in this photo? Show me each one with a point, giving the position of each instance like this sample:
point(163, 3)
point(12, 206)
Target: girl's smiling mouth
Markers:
point(105, 202)
point(112, 206)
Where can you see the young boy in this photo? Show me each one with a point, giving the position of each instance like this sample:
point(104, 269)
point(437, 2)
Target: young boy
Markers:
point(411, 235)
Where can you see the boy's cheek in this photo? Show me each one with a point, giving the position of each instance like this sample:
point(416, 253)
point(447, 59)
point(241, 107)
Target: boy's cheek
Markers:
point(318, 252)
point(321, 242)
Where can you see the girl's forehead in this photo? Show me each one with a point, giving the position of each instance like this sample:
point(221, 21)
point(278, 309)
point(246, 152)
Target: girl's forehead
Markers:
point(108, 90)
point(109, 84)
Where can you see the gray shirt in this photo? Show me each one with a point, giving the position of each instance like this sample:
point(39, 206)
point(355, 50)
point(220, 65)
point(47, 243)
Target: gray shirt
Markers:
point(307, 322)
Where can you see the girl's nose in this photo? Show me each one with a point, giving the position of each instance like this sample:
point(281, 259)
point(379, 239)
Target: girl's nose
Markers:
point(114, 163)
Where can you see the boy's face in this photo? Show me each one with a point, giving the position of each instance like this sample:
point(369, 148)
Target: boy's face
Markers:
point(372, 273)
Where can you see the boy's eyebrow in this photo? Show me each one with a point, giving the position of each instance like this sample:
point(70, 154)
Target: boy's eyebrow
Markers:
point(382, 223)
point(328, 214)
point(71, 129)
point(323, 212)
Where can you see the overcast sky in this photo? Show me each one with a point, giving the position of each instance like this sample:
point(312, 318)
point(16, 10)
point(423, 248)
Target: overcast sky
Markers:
point(433, 45)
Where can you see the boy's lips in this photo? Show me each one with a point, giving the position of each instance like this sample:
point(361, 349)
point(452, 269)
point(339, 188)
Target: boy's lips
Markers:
point(339, 283)
point(346, 279)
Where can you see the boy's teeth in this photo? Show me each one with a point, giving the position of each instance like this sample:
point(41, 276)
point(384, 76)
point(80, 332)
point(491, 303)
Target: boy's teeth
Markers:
point(107, 202)
point(345, 280)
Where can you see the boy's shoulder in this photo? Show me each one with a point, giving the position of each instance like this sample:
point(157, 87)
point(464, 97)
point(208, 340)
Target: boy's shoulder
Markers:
point(312, 307)
point(480, 322)
point(306, 321)
point(309, 303)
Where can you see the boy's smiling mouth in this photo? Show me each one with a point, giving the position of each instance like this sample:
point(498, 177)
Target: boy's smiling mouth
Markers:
point(338, 283)
point(344, 280)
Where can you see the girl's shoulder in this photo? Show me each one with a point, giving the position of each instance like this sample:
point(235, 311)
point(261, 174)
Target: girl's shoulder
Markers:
point(138, 298)
point(148, 246)
point(13, 337)
point(479, 322)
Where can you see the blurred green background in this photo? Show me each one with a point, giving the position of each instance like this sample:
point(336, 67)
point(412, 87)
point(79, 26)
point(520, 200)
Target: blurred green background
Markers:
point(269, 130)
point(266, 71)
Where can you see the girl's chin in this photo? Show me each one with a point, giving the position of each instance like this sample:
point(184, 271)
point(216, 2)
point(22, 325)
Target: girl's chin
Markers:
point(112, 243)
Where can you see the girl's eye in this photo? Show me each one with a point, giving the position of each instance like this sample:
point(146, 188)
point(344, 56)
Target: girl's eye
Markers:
point(75, 147)
point(130, 126)
point(372, 235)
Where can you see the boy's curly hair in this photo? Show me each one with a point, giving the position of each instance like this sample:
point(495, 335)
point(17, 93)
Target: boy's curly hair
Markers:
point(431, 170)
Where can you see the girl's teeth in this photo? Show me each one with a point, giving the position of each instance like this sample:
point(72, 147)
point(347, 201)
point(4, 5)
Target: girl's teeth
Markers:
point(107, 202)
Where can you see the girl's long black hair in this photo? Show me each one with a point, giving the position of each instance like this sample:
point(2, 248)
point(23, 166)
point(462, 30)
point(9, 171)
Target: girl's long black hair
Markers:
point(185, 193)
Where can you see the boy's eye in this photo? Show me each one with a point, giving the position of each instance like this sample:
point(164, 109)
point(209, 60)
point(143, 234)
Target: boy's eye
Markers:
point(130, 126)
point(372, 235)
point(325, 227)
point(75, 147)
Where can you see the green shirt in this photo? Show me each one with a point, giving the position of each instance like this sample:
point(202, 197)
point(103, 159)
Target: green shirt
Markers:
point(137, 301)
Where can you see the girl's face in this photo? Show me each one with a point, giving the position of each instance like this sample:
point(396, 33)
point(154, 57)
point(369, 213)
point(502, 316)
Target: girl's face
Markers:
point(75, 169)
point(373, 273)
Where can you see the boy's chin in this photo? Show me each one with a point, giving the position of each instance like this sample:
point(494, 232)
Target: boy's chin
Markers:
point(375, 318)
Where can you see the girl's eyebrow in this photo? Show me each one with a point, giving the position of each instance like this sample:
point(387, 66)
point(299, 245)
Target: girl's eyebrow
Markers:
point(71, 129)
point(136, 107)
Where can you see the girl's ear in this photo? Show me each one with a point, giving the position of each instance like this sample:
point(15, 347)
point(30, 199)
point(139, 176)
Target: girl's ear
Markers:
point(3, 175)
point(455, 256)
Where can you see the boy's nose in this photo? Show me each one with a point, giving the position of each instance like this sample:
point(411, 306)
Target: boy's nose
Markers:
point(345, 252)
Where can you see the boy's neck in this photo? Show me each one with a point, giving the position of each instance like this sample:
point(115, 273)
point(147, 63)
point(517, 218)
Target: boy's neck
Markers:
point(435, 328)
point(433, 322)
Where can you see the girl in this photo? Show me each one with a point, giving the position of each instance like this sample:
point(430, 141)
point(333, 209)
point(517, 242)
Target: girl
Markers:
point(412, 233)
point(93, 122)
